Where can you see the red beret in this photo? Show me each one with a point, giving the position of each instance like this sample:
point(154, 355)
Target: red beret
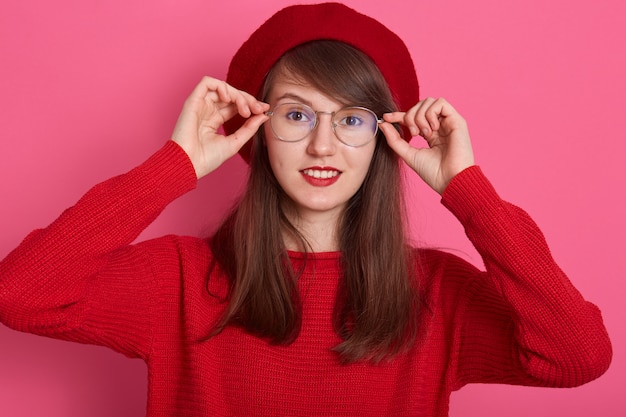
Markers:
point(295, 25)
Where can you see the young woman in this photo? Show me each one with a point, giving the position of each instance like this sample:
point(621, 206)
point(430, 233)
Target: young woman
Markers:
point(308, 300)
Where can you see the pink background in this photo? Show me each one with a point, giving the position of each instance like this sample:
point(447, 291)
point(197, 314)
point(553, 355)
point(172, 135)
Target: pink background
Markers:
point(88, 89)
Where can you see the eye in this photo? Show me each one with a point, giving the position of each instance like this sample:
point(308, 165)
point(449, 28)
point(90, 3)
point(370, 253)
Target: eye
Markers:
point(350, 121)
point(295, 113)
point(355, 119)
point(297, 116)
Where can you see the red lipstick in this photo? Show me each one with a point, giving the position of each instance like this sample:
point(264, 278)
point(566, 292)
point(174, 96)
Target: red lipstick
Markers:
point(321, 176)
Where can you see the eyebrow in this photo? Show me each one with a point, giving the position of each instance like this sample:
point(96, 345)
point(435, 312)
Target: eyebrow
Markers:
point(294, 97)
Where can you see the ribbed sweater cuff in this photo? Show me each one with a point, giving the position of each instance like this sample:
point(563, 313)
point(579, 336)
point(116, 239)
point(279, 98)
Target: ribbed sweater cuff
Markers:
point(468, 193)
point(170, 171)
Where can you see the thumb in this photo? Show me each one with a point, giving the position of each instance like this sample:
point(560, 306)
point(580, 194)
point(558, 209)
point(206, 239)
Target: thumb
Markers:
point(400, 146)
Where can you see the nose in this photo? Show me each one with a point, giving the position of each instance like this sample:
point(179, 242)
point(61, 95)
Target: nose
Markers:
point(322, 140)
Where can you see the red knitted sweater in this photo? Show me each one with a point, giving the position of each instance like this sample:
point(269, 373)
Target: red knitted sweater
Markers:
point(80, 279)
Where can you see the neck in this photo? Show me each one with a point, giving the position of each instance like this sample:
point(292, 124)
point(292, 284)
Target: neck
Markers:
point(319, 230)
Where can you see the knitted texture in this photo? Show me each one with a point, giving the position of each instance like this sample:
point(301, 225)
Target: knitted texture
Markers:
point(81, 279)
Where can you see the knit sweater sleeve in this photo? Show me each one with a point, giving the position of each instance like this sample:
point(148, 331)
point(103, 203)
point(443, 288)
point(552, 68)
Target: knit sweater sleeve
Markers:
point(521, 321)
point(80, 278)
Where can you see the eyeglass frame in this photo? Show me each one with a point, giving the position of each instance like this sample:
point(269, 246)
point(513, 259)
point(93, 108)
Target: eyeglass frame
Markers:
point(332, 114)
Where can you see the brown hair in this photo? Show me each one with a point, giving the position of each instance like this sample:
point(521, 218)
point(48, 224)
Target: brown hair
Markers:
point(376, 308)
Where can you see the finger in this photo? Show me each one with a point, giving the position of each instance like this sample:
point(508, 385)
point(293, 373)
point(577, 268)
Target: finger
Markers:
point(205, 86)
point(229, 111)
point(422, 122)
point(433, 115)
point(397, 144)
point(246, 103)
point(406, 119)
point(445, 119)
point(394, 117)
point(228, 95)
point(414, 119)
point(439, 110)
point(410, 119)
point(242, 135)
point(255, 106)
point(223, 92)
point(211, 89)
point(243, 107)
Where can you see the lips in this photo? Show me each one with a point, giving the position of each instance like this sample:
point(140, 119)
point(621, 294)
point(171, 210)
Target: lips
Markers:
point(321, 176)
point(320, 173)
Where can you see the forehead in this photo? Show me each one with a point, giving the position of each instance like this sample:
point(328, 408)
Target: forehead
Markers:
point(288, 88)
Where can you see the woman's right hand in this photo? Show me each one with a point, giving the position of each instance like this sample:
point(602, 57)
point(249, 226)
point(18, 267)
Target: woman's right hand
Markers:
point(212, 103)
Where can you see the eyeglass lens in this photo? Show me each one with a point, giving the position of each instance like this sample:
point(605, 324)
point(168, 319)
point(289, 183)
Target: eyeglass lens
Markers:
point(354, 126)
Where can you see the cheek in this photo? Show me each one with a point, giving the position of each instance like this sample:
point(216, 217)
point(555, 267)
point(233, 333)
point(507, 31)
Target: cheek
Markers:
point(361, 158)
point(281, 156)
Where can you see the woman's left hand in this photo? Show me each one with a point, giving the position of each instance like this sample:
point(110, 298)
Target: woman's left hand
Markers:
point(449, 148)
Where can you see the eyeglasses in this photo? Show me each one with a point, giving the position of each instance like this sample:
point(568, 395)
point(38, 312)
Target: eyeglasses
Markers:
point(354, 126)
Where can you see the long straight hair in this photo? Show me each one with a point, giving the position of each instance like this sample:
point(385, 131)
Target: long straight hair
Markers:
point(376, 310)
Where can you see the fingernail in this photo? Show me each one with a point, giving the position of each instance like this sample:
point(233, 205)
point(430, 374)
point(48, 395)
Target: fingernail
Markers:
point(414, 131)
